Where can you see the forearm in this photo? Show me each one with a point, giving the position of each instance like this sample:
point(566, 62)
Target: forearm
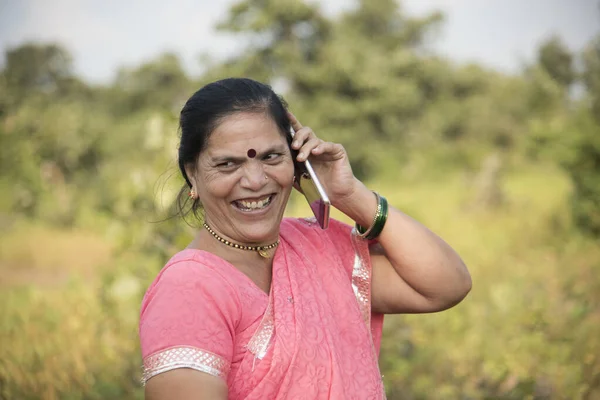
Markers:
point(419, 257)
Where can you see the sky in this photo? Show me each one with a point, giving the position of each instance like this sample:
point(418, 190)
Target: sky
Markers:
point(103, 35)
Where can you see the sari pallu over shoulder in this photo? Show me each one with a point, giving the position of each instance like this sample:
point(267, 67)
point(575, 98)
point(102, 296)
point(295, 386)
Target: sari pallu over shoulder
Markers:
point(323, 341)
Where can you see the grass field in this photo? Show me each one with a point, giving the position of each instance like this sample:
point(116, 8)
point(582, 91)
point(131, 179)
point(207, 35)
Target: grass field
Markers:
point(530, 328)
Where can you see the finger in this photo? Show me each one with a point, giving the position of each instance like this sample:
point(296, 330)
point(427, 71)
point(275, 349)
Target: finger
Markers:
point(333, 149)
point(326, 147)
point(302, 136)
point(294, 121)
point(307, 148)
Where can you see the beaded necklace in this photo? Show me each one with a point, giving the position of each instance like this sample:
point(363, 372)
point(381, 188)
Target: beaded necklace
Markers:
point(261, 250)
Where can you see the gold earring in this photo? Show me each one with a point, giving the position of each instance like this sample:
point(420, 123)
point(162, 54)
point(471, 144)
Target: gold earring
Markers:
point(192, 194)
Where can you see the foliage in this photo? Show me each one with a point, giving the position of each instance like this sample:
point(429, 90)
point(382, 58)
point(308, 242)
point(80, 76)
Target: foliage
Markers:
point(505, 167)
point(585, 166)
point(514, 337)
point(556, 58)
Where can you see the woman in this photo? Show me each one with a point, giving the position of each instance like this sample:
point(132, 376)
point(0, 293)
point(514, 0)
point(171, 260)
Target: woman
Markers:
point(264, 307)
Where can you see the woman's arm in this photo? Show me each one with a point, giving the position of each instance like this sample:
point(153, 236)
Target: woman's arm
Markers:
point(414, 270)
point(185, 384)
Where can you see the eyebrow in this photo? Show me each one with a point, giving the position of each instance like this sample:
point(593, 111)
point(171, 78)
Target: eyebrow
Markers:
point(274, 149)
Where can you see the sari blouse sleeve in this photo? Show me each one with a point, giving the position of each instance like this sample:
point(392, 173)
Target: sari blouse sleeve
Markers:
point(188, 320)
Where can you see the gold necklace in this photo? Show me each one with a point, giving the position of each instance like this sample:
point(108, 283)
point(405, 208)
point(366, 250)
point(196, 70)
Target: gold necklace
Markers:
point(261, 250)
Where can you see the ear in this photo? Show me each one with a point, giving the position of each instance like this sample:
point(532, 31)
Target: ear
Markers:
point(190, 171)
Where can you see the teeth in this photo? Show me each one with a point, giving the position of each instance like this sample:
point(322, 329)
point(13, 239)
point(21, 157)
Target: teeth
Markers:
point(252, 205)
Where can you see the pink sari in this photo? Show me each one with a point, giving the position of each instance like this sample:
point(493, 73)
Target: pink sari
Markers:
point(312, 337)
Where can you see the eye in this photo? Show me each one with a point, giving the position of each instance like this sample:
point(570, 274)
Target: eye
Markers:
point(272, 156)
point(226, 165)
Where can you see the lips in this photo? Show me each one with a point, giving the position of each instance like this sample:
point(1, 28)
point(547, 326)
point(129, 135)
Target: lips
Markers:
point(253, 204)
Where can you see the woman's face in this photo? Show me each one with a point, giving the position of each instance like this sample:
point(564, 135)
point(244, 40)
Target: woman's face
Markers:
point(244, 197)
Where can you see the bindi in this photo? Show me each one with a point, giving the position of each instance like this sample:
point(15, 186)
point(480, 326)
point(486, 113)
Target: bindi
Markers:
point(251, 153)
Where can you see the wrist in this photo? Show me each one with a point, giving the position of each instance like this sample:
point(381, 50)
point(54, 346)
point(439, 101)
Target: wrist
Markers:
point(374, 230)
point(360, 204)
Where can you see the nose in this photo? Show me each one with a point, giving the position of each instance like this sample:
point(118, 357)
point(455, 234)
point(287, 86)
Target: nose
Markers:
point(254, 176)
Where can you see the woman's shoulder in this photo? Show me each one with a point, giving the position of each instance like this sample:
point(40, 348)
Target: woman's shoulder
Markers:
point(193, 264)
point(190, 304)
point(191, 270)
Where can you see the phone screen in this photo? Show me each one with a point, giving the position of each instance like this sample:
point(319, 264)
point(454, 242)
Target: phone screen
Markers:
point(313, 192)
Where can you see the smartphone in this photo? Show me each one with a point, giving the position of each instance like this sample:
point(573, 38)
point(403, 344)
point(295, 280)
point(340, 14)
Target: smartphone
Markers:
point(313, 191)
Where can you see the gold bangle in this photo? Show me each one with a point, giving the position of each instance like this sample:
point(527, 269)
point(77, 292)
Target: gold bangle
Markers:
point(361, 230)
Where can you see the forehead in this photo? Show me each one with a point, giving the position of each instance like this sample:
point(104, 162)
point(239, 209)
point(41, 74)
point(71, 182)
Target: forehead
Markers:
point(241, 131)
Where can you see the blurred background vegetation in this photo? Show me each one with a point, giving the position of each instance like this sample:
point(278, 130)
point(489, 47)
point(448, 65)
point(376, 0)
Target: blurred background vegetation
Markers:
point(506, 167)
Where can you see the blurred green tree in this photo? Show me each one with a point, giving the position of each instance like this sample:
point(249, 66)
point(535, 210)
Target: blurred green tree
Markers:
point(40, 69)
point(159, 84)
point(555, 58)
point(584, 165)
point(351, 78)
point(35, 66)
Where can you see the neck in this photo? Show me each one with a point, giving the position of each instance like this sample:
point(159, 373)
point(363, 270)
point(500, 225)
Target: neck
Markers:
point(237, 243)
point(264, 250)
point(250, 263)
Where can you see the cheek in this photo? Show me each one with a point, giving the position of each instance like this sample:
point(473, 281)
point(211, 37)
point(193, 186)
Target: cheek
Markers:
point(283, 174)
point(217, 185)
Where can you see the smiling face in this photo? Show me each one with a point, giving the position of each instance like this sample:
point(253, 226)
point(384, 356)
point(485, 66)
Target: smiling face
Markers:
point(244, 197)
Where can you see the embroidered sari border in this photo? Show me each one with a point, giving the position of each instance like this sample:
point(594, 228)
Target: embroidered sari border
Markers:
point(184, 357)
point(361, 284)
point(259, 343)
point(361, 277)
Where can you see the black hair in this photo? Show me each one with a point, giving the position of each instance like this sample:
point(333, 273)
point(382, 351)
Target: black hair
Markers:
point(203, 112)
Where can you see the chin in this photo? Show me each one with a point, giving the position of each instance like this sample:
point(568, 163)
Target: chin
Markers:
point(260, 231)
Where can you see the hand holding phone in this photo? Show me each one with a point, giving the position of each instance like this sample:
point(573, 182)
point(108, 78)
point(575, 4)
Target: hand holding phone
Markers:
point(313, 192)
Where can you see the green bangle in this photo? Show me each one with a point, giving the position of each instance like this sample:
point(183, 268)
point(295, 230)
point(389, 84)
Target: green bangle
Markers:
point(378, 221)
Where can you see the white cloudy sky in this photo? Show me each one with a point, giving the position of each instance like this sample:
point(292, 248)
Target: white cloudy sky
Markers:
point(105, 34)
